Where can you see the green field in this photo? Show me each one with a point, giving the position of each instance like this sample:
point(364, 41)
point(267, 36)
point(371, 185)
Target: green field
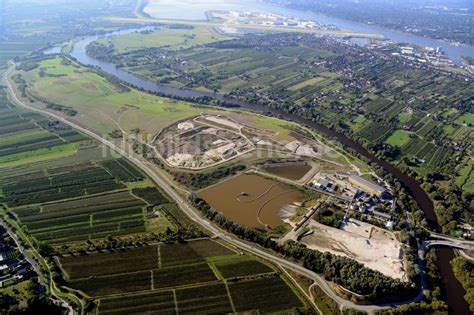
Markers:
point(81, 89)
point(240, 268)
point(465, 177)
point(27, 141)
point(358, 123)
point(304, 84)
point(172, 39)
point(404, 117)
point(398, 138)
point(37, 155)
point(19, 137)
point(466, 119)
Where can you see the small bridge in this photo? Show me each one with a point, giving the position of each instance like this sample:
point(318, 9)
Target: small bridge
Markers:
point(457, 245)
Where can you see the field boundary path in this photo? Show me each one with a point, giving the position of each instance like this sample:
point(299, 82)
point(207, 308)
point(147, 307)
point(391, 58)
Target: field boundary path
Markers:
point(146, 167)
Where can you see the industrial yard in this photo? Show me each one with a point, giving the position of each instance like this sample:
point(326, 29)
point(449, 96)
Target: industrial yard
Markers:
point(202, 142)
point(232, 19)
point(208, 140)
point(376, 248)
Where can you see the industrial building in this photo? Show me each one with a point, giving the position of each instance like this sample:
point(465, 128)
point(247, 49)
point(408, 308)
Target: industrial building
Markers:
point(367, 186)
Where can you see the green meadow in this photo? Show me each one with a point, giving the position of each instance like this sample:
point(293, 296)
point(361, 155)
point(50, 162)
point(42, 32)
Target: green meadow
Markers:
point(398, 138)
point(171, 39)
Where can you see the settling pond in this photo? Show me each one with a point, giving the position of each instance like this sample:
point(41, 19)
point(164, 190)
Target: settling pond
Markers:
point(252, 200)
point(293, 172)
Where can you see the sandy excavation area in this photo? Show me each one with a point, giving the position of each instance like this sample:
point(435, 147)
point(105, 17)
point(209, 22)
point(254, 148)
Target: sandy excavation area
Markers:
point(376, 248)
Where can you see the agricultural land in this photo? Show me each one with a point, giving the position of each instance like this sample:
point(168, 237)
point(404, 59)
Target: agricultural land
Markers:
point(180, 278)
point(71, 196)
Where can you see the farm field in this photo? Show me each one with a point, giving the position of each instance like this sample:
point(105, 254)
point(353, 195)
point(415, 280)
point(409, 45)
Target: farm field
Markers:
point(80, 202)
point(398, 138)
point(91, 217)
point(24, 140)
point(252, 200)
point(186, 278)
point(433, 156)
point(66, 198)
point(253, 294)
point(241, 267)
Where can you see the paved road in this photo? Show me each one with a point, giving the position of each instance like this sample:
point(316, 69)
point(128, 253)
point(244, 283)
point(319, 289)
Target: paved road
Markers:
point(22, 250)
point(451, 239)
point(451, 244)
point(34, 264)
point(186, 208)
point(465, 255)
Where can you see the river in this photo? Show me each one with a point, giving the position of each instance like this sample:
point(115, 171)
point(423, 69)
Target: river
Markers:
point(454, 295)
point(196, 10)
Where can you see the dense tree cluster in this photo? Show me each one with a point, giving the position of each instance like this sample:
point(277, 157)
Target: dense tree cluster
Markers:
point(330, 216)
point(33, 303)
point(464, 271)
point(100, 51)
point(201, 180)
point(27, 66)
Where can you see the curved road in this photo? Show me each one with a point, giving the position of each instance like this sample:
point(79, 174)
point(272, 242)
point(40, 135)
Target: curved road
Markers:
point(186, 208)
point(455, 245)
point(35, 266)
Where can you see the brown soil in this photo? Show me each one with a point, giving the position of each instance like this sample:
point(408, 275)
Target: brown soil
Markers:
point(262, 200)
